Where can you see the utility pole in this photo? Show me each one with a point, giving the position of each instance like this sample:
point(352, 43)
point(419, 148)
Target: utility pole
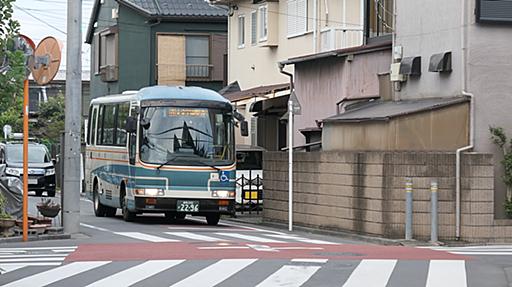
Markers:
point(72, 125)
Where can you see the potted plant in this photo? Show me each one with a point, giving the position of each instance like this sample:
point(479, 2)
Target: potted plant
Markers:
point(6, 220)
point(48, 208)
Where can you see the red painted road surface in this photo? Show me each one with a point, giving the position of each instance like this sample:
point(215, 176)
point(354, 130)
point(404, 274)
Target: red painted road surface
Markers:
point(198, 251)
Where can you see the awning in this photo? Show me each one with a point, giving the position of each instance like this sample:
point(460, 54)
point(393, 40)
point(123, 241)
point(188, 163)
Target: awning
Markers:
point(260, 91)
point(272, 105)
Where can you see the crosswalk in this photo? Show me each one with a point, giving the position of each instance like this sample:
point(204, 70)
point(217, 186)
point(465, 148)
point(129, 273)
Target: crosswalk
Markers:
point(292, 273)
point(216, 236)
point(498, 250)
point(15, 258)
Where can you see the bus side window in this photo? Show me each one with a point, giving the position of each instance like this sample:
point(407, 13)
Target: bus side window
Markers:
point(92, 126)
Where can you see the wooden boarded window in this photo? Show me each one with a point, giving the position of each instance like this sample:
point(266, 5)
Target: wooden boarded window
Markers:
point(171, 66)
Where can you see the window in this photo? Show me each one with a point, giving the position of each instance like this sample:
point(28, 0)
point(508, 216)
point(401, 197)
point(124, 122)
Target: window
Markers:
point(197, 55)
point(91, 123)
point(122, 113)
point(263, 10)
point(254, 27)
point(241, 31)
point(379, 17)
point(108, 125)
point(108, 49)
point(297, 17)
point(96, 47)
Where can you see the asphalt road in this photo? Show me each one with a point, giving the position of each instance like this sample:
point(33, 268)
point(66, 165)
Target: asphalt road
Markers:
point(155, 252)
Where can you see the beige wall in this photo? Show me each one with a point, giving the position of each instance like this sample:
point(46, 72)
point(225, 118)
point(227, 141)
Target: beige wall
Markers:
point(363, 192)
point(442, 130)
point(255, 66)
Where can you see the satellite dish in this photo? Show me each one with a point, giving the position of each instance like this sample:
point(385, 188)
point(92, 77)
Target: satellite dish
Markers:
point(46, 60)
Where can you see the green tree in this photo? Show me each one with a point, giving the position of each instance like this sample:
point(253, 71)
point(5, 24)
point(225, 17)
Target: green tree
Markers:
point(12, 70)
point(50, 122)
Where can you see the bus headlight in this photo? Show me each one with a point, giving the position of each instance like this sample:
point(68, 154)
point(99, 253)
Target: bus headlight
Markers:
point(13, 171)
point(223, 193)
point(150, 191)
point(50, 171)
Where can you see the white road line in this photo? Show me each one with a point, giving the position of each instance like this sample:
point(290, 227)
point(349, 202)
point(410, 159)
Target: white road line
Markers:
point(310, 260)
point(249, 237)
point(215, 273)
point(64, 251)
point(300, 239)
point(447, 273)
point(35, 248)
point(8, 267)
point(209, 229)
point(373, 273)
point(145, 237)
point(290, 276)
point(31, 255)
point(136, 274)
point(33, 259)
point(194, 236)
point(223, 247)
point(480, 253)
point(94, 227)
point(253, 228)
point(56, 274)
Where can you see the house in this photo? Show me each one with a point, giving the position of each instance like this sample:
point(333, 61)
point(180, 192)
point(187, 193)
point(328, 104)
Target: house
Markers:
point(264, 33)
point(137, 43)
point(414, 105)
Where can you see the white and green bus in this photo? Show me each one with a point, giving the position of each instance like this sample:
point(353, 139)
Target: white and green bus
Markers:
point(164, 150)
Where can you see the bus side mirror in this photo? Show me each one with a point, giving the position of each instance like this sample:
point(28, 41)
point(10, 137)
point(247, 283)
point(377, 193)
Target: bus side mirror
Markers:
point(131, 125)
point(244, 128)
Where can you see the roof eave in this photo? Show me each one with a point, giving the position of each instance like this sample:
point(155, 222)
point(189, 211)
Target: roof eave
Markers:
point(92, 20)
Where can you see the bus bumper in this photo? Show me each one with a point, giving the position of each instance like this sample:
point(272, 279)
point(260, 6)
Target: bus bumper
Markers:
point(159, 205)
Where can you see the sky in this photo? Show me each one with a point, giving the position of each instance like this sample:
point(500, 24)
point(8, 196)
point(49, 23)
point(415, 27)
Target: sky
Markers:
point(42, 18)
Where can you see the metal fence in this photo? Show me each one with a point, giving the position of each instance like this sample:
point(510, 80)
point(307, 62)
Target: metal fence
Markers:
point(251, 197)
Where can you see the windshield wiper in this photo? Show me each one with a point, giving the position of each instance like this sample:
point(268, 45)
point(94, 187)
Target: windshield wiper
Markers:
point(194, 161)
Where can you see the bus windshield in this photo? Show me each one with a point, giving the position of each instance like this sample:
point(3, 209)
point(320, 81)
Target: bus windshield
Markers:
point(194, 136)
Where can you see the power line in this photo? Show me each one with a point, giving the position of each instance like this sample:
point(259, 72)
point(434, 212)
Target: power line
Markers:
point(40, 20)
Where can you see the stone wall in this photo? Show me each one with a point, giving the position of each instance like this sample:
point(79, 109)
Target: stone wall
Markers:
point(364, 192)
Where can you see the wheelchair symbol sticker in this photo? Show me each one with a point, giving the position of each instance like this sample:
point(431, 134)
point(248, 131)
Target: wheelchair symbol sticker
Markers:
point(223, 176)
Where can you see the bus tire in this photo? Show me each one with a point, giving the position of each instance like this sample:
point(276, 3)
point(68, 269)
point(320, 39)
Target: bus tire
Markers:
point(111, 211)
point(99, 209)
point(128, 216)
point(213, 219)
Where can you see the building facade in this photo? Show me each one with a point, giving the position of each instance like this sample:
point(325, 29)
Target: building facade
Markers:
point(141, 43)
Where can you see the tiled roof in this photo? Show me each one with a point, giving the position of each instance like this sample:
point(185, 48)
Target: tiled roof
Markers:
point(177, 8)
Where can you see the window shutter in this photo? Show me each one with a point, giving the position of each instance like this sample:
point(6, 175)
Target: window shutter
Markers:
point(302, 13)
point(254, 28)
point(494, 11)
point(292, 17)
point(171, 60)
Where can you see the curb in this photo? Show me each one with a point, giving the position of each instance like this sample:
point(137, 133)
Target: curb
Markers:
point(36, 238)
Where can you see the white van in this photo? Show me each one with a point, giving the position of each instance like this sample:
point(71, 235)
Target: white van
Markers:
point(249, 175)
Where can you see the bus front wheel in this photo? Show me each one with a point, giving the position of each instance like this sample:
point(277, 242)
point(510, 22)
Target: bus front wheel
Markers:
point(212, 219)
point(99, 209)
point(127, 215)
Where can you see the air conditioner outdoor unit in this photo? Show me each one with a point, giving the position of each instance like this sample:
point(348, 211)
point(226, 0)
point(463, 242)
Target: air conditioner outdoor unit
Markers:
point(109, 73)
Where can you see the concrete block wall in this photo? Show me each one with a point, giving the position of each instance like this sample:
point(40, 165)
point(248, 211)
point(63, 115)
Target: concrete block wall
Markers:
point(364, 192)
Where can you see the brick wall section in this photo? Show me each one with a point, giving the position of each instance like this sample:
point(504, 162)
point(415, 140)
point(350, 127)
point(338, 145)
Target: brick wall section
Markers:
point(363, 192)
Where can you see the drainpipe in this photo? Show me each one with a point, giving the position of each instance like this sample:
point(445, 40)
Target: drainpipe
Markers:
point(458, 152)
point(315, 24)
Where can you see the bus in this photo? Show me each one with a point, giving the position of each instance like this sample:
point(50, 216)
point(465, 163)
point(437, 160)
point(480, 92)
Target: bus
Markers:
point(162, 149)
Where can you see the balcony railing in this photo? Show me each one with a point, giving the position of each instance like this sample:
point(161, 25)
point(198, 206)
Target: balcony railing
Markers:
point(334, 38)
point(198, 71)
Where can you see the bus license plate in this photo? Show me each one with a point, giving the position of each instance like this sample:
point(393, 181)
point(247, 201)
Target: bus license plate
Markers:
point(32, 181)
point(188, 206)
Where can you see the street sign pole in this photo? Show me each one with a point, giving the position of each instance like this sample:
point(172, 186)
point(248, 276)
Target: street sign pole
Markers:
point(25, 160)
point(290, 165)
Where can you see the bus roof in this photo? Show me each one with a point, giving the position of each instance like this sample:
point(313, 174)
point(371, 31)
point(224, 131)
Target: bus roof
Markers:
point(163, 93)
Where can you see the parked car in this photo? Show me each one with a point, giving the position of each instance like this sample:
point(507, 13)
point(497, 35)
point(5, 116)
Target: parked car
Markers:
point(41, 169)
point(249, 174)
